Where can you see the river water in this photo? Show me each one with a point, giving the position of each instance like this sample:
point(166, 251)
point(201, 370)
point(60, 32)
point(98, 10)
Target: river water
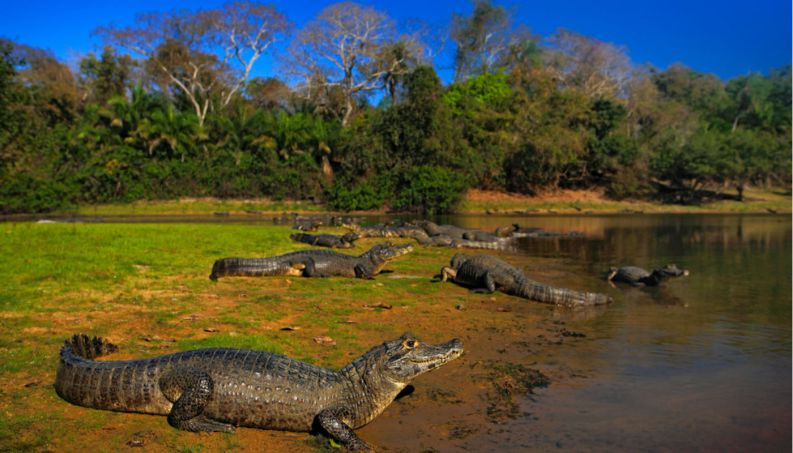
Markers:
point(702, 363)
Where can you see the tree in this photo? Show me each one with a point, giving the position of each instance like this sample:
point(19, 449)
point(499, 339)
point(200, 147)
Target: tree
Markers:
point(352, 48)
point(595, 68)
point(486, 41)
point(204, 53)
point(106, 76)
point(50, 83)
point(269, 94)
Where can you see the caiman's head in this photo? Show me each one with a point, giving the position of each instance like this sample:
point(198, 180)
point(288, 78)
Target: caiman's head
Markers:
point(350, 237)
point(388, 251)
point(400, 361)
point(352, 226)
point(458, 259)
point(671, 270)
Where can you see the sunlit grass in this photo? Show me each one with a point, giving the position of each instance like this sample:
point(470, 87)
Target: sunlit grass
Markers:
point(146, 288)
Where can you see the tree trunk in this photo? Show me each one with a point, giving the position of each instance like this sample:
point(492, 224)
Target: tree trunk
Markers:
point(327, 170)
point(347, 112)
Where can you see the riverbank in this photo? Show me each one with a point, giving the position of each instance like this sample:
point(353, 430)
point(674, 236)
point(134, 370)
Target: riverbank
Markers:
point(145, 287)
point(474, 202)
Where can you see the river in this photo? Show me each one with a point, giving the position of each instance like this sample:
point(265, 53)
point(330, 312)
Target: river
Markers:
point(701, 363)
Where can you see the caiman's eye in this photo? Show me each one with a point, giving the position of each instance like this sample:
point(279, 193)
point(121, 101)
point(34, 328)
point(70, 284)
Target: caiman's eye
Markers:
point(410, 344)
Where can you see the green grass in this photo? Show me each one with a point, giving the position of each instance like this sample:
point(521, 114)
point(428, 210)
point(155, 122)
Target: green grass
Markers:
point(146, 287)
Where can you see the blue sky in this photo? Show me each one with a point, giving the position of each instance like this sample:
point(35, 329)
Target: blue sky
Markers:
point(727, 38)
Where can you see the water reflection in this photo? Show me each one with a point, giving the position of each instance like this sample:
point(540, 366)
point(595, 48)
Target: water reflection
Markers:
point(701, 362)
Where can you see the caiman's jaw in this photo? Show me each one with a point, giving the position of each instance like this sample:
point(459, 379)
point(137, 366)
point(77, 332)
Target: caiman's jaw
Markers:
point(671, 270)
point(410, 358)
point(392, 251)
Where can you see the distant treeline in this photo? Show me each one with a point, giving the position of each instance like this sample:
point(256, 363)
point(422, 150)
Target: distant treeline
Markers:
point(358, 117)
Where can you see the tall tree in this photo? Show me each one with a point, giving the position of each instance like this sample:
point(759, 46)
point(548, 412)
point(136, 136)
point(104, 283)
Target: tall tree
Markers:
point(595, 68)
point(105, 77)
point(486, 41)
point(203, 54)
point(351, 48)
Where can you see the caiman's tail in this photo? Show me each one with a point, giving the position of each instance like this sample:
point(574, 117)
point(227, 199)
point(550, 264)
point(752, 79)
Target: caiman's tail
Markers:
point(232, 267)
point(254, 267)
point(79, 377)
point(86, 347)
point(561, 296)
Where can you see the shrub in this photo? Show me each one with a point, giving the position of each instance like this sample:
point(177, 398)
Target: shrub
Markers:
point(429, 190)
point(24, 193)
point(361, 197)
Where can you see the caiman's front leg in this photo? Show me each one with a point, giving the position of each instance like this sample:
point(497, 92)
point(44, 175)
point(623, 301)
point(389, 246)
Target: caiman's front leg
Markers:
point(190, 390)
point(362, 271)
point(610, 277)
point(447, 273)
point(338, 430)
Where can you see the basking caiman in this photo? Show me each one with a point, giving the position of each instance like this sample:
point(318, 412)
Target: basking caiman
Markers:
point(217, 389)
point(312, 263)
point(637, 276)
point(326, 240)
point(491, 273)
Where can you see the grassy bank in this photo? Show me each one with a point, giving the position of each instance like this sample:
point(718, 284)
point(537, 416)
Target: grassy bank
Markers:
point(474, 202)
point(145, 287)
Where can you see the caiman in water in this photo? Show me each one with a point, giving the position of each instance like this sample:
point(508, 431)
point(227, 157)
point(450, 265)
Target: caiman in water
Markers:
point(312, 263)
point(637, 276)
point(490, 273)
point(218, 389)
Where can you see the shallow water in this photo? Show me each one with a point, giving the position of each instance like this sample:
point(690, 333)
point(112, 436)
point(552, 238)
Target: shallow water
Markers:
point(701, 363)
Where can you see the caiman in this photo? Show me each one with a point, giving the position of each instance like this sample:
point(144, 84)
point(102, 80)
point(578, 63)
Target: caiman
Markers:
point(490, 273)
point(637, 276)
point(326, 240)
point(218, 389)
point(312, 263)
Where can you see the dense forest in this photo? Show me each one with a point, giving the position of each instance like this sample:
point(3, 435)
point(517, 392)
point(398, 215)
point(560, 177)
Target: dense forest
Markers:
point(357, 116)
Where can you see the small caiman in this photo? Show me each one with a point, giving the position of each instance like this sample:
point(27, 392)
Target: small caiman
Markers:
point(490, 273)
point(220, 388)
point(637, 276)
point(312, 263)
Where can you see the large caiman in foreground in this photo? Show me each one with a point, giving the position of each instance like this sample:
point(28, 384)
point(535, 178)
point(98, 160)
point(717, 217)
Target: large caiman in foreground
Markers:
point(312, 263)
point(218, 389)
point(490, 273)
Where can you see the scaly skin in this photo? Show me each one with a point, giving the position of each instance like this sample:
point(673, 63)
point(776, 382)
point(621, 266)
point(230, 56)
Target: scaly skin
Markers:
point(326, 240)
point(312, 263)
point(218, 389)
point(637, 276)
point(491, 273)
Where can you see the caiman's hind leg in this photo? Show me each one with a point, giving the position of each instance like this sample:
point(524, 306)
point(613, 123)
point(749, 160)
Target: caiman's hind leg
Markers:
point(190, 389)
point(339, 431)
point(309, 268)
point(490, 285)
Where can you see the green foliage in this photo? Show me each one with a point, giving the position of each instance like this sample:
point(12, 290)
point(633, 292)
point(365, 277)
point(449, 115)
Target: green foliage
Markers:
point(25, 193)
point(428, 189)
point(483, 91)
point(363, 196)
point(509, 123)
